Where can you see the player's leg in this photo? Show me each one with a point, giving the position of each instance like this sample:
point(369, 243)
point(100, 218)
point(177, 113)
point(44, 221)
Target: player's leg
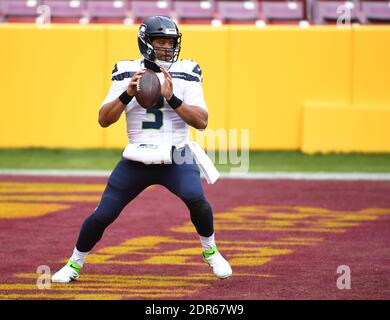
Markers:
point(184, 181)
point(126, 181)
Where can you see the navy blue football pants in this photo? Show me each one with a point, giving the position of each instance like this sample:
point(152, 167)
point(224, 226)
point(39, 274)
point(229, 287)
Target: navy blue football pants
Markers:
point(129, 178)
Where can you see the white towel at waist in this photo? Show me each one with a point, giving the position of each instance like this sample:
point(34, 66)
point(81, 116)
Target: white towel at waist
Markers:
point(204, 163)
point(148, 153)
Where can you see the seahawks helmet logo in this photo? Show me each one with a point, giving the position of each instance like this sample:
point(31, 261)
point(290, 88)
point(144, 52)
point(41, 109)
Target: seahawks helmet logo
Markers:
point(170, 31)
point(141, 31)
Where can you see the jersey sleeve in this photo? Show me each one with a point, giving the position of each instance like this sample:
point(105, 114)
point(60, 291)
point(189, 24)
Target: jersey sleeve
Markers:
point(193, 93)
point(118, 85)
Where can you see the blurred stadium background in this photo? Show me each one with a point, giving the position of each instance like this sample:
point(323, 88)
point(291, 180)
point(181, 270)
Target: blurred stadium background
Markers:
point(309, 79)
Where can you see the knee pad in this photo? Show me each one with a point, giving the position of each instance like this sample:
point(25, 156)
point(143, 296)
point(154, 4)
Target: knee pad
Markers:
point(91, 232)
point(201, 216)
point(100, 220)
point(105, 215)
point(198, 205)
point(108, 210)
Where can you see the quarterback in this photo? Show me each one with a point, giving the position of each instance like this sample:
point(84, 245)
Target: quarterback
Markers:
point(154, 132)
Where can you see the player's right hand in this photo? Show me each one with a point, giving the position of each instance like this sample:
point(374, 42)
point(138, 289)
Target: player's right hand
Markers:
point(132, 88)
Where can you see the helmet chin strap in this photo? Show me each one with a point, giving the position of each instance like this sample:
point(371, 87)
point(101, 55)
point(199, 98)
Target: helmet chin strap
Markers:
point(155, 65)
point(162, 63)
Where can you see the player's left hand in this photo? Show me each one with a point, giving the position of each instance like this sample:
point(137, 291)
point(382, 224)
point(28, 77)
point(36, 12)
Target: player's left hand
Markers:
point(167, 86)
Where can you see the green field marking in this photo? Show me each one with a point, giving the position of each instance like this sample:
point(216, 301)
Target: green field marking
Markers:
point(260, 161)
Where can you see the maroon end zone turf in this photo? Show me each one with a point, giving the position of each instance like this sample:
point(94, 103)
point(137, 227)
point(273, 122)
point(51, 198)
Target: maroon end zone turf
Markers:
point(285, 239)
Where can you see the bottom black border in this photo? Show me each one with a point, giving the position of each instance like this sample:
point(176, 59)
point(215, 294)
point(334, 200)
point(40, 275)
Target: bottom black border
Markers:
point(199, 309)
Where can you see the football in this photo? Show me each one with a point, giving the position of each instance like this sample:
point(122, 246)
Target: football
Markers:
point(148, 89)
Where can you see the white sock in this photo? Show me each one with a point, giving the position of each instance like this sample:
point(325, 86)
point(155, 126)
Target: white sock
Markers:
point(207, 242)
point(78, 257)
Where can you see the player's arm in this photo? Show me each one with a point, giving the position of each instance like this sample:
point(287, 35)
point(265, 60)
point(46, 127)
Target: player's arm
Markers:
point(110, 112)
point(195, 116)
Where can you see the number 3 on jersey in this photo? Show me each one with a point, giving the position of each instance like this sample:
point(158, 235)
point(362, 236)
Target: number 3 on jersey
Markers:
point(158, 114)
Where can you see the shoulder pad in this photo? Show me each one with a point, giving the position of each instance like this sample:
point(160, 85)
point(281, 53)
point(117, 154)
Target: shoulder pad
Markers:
point(193, 68)
point(124, 69)
point(197, 70)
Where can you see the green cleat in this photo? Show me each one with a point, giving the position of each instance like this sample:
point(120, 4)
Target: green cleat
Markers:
point(221, 267)
point(71, 271)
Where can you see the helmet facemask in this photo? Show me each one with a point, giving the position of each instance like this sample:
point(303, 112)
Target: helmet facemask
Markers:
point(165, 55)
point(166, 29)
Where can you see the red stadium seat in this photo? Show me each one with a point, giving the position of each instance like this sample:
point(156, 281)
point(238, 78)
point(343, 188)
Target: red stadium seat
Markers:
point(194, 12)
point(143, 9)
point(325, 11)
point(237, 11)
point(19, 10)
point(200, 11)
point(107, 11)
point(66, 11)
point(375, 11)
point(283, 12)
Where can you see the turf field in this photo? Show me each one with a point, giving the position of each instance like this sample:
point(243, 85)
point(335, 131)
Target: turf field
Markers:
point(284, 238)
point(264, 161)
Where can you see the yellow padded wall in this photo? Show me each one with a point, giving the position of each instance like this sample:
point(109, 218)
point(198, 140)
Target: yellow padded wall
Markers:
point(345, 129)
point(275, 69)
point(371, 66)
point(51, 81)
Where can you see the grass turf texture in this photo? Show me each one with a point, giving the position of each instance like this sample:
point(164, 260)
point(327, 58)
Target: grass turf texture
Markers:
point(260, 161)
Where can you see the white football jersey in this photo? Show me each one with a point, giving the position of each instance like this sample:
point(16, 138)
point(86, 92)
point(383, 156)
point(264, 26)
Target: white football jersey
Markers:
point(159, 124)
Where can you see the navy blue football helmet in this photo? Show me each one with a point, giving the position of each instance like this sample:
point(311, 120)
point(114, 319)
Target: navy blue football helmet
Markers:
point(159, 27)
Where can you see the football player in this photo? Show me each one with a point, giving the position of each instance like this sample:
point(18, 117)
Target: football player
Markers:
point(181, 105)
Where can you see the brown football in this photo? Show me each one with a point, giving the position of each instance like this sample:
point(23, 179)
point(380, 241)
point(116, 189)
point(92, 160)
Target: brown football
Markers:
point(148, 89)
